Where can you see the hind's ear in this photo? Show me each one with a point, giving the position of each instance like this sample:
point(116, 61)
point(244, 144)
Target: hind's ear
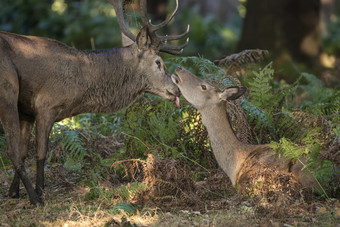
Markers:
point(232, 93)
point(142, 38)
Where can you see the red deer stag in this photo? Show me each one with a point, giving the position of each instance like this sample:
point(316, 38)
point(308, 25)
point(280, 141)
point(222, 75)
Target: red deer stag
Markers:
point(44, 81)
point(238, 160)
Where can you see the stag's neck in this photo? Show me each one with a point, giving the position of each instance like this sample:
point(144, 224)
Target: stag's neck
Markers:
point(108, 62)
point(230, 153)
point(110, 79)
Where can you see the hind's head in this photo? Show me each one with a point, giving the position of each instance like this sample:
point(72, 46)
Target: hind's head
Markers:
point(202, 94)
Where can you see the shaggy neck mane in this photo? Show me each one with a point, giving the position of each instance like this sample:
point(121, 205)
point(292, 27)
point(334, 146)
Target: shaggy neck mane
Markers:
point(112, 86)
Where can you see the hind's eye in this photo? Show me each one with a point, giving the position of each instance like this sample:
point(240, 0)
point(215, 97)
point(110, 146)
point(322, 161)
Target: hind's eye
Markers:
point(204, 87)
point(159, 64)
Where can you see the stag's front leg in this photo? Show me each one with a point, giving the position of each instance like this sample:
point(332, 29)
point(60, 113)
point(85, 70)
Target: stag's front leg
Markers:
point(25, 132)
point(44, 123)
point(9, 117)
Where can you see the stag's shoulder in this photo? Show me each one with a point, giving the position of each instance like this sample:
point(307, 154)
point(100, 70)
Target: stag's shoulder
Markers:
point(36, 44)
point(13, 38)
point(8, 36)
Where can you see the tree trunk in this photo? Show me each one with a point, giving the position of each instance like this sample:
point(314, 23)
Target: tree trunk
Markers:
point(284, 27)
point(224, 10)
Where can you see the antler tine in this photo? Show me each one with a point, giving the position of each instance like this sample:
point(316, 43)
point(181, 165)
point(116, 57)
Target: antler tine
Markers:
point(173, 52)
point(157, 41)
point(174, 37)
point(153, 28)
point(166, 46)
point(144, 12)
point(118, 7)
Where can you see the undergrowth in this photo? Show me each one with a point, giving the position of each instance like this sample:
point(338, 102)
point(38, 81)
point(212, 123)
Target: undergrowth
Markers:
point(297, 129)
point(89, 144)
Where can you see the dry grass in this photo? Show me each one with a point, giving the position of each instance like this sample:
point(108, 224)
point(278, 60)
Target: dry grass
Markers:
point(210, 202)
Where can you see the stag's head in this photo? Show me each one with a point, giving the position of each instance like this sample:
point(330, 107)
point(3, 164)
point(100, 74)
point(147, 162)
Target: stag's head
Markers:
point(147, 45)
point(202, 94)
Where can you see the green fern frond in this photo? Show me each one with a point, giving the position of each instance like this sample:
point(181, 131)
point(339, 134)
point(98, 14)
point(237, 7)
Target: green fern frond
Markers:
point(71, 142)
point(288, 149)
point(310, 145)
point(320, 100)
point(124, 207)
point(314, 84)
point(286, 126)
point(255, 114)
point(312, 137)
point(129, 191)
point(262, 93)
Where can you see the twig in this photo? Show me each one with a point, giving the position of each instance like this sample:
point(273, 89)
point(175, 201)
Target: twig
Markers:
point(323, 190)
point(3, 164)
point(195, 163)
point(115, 164)
point(137, 139)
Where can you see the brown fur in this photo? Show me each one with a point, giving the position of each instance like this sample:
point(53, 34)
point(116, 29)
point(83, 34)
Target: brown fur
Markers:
point(44, 81)
point(243, 163)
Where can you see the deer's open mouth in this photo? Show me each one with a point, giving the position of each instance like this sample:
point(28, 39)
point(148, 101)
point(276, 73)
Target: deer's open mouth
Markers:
point(176, 81)
point(175, 98)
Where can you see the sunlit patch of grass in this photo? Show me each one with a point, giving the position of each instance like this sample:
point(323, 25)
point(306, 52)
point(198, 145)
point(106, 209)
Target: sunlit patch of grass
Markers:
point(65, 204)
point(68, 210)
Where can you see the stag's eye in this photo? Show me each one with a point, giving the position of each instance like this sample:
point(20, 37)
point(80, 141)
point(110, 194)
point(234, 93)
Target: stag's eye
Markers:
point(204, 87)
point(159, 64)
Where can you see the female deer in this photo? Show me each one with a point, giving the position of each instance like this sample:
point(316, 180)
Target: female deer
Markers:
point(238, 160)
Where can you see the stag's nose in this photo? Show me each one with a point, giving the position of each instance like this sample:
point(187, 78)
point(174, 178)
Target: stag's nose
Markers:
point(179, 68)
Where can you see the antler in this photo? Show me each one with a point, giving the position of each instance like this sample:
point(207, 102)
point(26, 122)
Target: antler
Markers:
point(157, 42)
point(118, 6)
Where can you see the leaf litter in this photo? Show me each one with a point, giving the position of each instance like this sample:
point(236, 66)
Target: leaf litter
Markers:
point(175, 196)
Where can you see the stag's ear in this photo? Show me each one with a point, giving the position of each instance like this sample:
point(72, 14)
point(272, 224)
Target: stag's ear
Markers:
point(232, 93)
point(142, 38)
point(126, 41)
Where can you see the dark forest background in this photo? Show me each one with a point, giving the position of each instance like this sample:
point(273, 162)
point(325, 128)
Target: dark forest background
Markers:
point(293, 103)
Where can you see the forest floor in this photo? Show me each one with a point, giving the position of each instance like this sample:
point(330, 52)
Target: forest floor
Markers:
point(70, 201)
